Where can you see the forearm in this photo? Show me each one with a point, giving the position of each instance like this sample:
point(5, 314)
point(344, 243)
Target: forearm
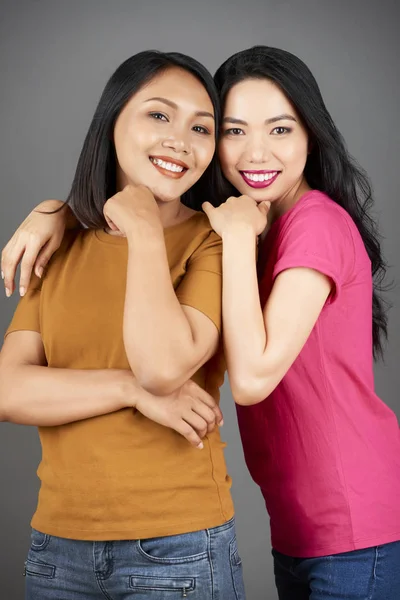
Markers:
point(157, 334)
point(43, 396)
point(244, 330)
point(50, 206)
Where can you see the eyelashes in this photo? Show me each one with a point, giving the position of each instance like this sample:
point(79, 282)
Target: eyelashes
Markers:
point(277, 131)
point(158, 116)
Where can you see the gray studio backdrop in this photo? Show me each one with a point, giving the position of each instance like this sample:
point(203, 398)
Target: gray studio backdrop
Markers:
point(55, 58)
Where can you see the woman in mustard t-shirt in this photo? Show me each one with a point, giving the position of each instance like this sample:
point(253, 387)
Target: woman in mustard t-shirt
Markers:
point(109, 351)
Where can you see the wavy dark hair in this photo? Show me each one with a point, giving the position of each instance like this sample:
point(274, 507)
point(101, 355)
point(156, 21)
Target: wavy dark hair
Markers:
point(95, 175)
point(329, 167)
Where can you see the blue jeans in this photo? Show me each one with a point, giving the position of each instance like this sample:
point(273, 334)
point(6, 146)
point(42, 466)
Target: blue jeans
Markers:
point(370, 574)
point(203, 565)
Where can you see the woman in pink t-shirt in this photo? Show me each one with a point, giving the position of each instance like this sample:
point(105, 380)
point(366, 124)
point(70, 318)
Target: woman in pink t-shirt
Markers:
point(300, 333)
point(301, 329)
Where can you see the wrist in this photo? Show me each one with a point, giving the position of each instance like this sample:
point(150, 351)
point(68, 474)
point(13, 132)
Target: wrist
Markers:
point(49, 206)
point(128, 390)
point(145, 232)
point(239, 231)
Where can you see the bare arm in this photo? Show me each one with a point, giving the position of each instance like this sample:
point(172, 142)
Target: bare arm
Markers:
point(262, 345)
point(34, 243)
point(34, 394)
point(175, 340)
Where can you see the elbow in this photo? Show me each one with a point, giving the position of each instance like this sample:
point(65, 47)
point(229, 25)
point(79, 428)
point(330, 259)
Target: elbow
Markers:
point(247, 391)
point(158, 377)
point(158, 386)
point(160, 383)
point(4, 415)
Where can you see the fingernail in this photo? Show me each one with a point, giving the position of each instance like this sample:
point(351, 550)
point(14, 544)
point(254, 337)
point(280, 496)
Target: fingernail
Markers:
point(39, 272)
point(8, 293)
point(2, 275)
point(200, 446)
point(22, 291)
point(221, 422)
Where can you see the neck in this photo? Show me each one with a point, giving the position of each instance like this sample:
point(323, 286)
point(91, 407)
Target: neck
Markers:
point(286, 202)
point(173, 212)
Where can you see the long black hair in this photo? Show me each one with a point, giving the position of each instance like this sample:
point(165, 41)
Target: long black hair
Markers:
point(329, 167)
point(95, 176)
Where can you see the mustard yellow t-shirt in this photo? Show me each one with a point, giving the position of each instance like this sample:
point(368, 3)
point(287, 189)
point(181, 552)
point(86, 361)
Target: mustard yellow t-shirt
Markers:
point(122, 476)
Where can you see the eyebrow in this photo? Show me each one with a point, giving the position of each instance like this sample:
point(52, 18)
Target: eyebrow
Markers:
point(267, 121)
point(200, 113)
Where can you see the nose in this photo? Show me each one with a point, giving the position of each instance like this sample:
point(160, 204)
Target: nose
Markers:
point(257, 150)
point(178, 142)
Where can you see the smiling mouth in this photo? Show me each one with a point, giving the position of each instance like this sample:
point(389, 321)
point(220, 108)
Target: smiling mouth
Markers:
point(259, 179)
point(168, 167)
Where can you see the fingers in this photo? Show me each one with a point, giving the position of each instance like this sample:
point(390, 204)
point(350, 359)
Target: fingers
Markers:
point(197, 422)
point(206, 413)
point(196, 392)
point(10, 258)
point(43, 258)
point(112, 225)
point(207, 208)
point(264, 207)
point(204, 399)
point(188, 432)
point(28, 260)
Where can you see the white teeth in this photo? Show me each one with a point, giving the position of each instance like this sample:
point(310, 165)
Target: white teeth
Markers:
point(260, 176)
point(167, 165)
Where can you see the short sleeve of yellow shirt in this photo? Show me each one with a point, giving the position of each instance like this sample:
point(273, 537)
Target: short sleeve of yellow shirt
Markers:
point(201, 287)
point(27, 313)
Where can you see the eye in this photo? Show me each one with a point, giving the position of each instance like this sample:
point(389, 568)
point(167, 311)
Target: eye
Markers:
point(234, 131)
point(281, 130)
point(158, 116)
point(201, 129)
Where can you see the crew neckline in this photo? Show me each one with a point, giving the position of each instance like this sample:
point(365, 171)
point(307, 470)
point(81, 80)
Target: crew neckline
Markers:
point(282, 218)
point(103, 236)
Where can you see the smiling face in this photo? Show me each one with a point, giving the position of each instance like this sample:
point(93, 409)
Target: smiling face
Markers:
point(165, 135)
point(264, 146)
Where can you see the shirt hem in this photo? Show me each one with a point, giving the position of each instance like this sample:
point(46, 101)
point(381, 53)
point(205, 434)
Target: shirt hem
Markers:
point(339, 548)
point(132, 532)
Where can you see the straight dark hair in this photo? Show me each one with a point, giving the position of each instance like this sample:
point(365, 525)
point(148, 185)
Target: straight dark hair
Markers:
point(95, 176)
point(329, 167)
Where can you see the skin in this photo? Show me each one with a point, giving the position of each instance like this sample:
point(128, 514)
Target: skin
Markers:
point(180, 128)
point(171, 117)
point(262, 342)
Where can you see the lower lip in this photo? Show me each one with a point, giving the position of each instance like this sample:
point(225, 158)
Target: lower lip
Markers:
point(172, 174)
point(259, 184)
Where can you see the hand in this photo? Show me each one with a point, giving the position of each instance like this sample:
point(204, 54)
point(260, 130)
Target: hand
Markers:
point(189, 410)
point(35, 241)
point(133, 205)
point(238, 211)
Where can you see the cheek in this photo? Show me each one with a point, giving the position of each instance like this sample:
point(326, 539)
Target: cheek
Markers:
point(205, 153)
point(295, 153)
point(228, 156)
point(133, 135)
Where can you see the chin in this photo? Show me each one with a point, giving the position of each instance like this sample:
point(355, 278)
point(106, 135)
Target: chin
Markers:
point(165, 197)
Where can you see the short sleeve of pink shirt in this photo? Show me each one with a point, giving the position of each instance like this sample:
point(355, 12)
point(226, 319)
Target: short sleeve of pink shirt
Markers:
point(315, 234)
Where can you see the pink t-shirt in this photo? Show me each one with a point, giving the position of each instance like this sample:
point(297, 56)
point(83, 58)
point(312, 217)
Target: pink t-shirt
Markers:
point(324, 449)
